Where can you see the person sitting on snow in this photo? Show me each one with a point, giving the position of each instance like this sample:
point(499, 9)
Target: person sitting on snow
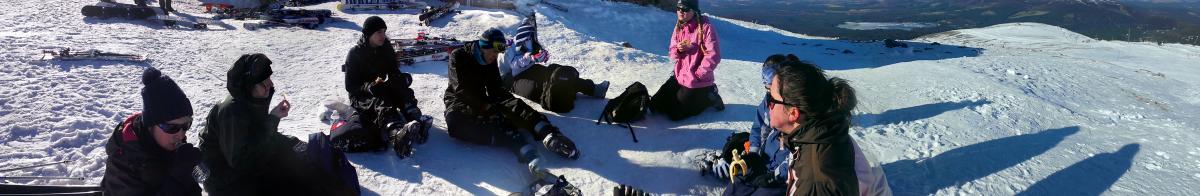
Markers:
point(812, 113)
point(553, 86)
point(385, 106)
point(247, 155)
point(481, 111)
point(696, 52)
point(148, 153)
point(766, 159)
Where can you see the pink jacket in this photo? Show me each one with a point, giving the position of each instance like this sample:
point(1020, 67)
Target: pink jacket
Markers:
point(696, 60)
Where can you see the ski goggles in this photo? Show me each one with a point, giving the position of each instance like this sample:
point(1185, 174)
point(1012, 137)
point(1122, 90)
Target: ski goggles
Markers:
point(174, 128)
point(498, 45)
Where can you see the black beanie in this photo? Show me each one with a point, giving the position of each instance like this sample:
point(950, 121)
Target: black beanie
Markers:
point(492, 35)
point(374, 23)
point(249, 70)
point(162, 100)
point(690, 4)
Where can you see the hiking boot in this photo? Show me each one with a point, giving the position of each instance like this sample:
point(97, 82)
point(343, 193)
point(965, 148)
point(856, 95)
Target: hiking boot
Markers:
point(559, 144)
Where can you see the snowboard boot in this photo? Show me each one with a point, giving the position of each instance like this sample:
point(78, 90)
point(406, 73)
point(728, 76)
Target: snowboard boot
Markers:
point(401, 137)
point(555, 186)
point(423, 124)
point(600, 90)
point(558, 143)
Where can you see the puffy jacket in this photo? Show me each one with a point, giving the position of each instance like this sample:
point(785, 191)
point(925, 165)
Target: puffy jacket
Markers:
point(696, 62)
point(823, 158)
point(136, 165)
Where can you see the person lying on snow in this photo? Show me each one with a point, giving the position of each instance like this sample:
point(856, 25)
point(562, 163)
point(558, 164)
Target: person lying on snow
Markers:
point(385, 105)
point(481, 111)
point(148, 153)
point(246, 154)
point(554, 86)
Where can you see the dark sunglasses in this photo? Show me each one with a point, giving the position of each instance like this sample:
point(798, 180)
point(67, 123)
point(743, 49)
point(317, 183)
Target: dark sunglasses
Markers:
point(771, 102)
point(174, 128)
point(683, 9)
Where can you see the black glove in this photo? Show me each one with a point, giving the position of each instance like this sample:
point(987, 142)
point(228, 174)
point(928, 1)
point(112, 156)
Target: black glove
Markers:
point(185, 160)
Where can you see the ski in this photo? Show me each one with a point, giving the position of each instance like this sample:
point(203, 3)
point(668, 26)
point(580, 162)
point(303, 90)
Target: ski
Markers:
point(308, 19)
point(430, 14)
point(66, 54)
point(352, 5)
point(172, 21)
point(33, 166)
point(423, 48)
point(18, 189)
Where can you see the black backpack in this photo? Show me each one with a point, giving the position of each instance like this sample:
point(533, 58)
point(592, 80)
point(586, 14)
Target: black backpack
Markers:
point(627, 108)
point(558, 93)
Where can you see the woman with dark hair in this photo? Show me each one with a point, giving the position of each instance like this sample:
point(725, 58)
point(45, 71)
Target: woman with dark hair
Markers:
point(813, 114)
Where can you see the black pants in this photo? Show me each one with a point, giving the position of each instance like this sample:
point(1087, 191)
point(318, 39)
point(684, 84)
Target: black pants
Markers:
point(166, 6)
point(312, 168)
point(679, 102)
point(529, 83)
point(366, 130)
point(492, 130)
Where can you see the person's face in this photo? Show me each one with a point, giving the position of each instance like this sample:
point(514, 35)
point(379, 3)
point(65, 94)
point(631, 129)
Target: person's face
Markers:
point(785, 118)
point(170, 141)
point(490, 54)
point(684, 14)
point(379, 38)
point(263, 89)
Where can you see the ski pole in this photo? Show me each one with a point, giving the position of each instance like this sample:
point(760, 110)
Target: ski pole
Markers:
point(33, 166)
point(41, 178)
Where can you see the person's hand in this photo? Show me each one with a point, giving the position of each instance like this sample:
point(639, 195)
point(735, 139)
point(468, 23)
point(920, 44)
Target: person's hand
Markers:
point(282, 109)
point(186, 158)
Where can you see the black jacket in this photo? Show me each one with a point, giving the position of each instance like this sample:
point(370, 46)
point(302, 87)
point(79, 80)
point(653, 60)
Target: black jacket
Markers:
point(823, 162)
point(473, 84)
point(365, 63)
point(136, 165)
point(240, 141)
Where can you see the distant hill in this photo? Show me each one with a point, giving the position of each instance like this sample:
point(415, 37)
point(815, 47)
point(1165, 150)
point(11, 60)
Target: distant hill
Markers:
point(1171, 21)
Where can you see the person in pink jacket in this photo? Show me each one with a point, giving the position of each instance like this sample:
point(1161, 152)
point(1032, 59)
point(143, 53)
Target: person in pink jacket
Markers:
point(696, 53)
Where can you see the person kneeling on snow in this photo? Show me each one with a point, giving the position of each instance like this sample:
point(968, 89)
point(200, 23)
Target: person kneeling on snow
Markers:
point(148, 153)
point(385, 106)
point(480, 110)
point(696, 53)
point(246, 154)
point(554, 86)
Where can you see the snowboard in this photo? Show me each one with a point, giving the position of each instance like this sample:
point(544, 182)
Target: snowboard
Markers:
point(113, 10)
point(430, 14)
point(307, 23)
point(20, 189)
point(66, 54)
point(173, 21)
point(308, 19)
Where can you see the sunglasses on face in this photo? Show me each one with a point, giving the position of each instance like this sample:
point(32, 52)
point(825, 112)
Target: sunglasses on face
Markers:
point(684, 9)
point(771, 102)
point(174, 128)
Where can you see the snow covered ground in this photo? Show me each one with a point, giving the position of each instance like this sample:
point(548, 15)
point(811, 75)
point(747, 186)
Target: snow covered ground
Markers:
point(1009, 109)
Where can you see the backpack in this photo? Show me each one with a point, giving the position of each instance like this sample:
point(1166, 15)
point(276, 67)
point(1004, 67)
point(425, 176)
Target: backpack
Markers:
point(627, 108)
point(558, 94)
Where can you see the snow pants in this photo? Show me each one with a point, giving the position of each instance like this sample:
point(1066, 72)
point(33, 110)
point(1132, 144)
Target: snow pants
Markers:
point(679, 102)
